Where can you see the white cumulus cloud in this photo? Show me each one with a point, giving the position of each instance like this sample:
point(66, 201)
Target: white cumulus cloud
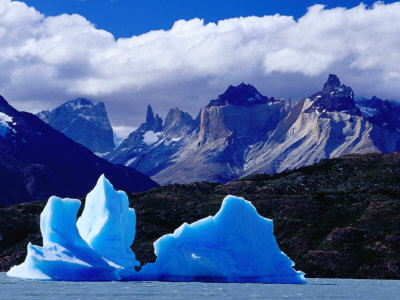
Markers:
point(45, 61)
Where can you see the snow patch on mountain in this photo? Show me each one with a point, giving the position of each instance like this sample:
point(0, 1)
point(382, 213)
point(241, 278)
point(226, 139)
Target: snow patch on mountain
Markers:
point(150, 137)
point(4, 124)
point(130, 161)
point(167, 142)
point(78, 105)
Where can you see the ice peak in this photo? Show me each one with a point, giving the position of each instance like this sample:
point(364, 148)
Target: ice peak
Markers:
point(103, 184)
point(104, 208)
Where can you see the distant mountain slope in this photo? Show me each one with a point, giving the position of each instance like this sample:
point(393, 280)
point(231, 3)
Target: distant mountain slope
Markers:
point(243, 132)
point(84, 122)
point(337, 218)
point(37, 161)
point(380, 112)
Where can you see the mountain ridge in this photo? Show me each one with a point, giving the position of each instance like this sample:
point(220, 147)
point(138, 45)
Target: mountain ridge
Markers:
point(243, 132)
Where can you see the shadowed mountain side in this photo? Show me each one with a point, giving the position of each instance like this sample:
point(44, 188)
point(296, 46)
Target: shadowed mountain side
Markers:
point(37, 161)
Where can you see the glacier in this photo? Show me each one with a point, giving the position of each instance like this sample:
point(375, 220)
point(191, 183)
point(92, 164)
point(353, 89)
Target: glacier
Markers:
point(235, 245)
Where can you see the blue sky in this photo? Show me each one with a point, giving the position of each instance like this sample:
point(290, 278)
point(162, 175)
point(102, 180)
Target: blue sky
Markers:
point(125, 18)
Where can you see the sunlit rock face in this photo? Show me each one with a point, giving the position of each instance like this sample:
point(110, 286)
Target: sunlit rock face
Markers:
point(242, 132)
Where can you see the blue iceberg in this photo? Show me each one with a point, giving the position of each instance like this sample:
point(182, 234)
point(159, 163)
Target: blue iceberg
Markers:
point(108, 225)
point(64, 255)
point(235, 245)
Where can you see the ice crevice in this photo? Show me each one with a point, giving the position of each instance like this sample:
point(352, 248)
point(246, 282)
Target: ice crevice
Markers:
point(235, 245)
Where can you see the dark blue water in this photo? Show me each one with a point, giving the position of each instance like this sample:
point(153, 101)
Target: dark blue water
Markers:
point(14, 289)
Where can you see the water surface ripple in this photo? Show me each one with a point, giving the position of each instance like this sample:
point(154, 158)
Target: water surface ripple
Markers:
point(15, 289)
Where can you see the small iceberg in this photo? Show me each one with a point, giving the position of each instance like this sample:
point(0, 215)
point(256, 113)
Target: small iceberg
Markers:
point(64, 255)
point(235, 245)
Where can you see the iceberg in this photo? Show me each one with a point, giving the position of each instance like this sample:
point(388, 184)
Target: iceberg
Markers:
point(64, 255)
point(108, 225)
point(235, 245)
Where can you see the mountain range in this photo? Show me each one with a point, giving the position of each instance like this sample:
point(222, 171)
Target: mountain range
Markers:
point(37, 161)
point(243, 132)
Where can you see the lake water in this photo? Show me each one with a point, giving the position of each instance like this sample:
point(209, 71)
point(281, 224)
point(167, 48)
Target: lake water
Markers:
point(15, 289)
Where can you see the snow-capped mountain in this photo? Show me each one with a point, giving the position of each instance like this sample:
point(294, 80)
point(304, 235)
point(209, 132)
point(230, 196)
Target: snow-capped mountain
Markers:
point(37, 161)
point(243, 132)
point(84, 122)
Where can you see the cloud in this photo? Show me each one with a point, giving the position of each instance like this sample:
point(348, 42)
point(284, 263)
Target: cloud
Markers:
point(45, 61)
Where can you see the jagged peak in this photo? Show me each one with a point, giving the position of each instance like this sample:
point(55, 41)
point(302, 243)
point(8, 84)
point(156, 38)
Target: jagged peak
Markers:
point(335, 97)
point(153, 123)
point(333, 82)
point(176, 116)
point(149, 115)
point(240, 95)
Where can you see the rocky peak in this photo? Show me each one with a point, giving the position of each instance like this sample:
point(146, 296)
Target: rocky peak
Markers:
point(149, 116)
point(153, 123)
point(332, 83)
point(84, 122)
point(334, 97)
point(178, 122)
point(241, 95)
